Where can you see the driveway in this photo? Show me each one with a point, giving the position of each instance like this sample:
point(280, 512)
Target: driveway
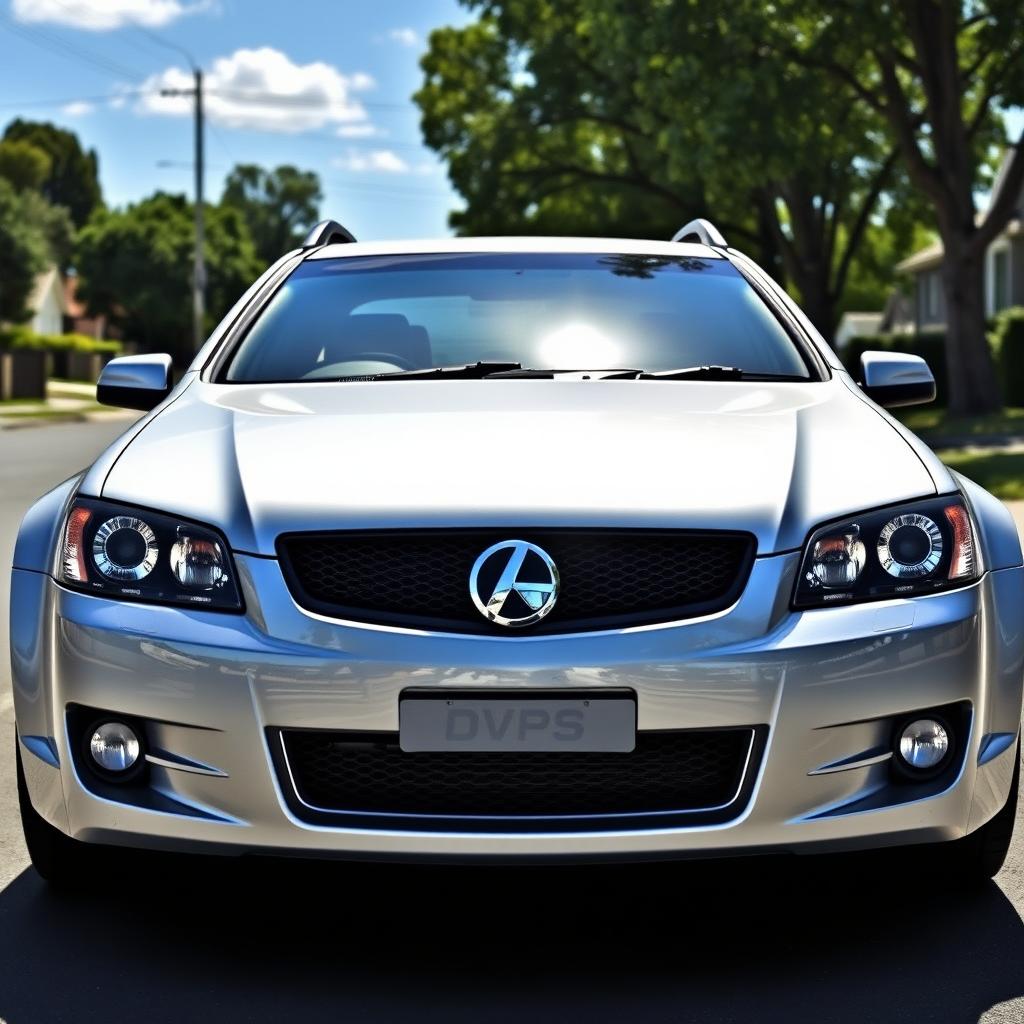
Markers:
point(842, 939)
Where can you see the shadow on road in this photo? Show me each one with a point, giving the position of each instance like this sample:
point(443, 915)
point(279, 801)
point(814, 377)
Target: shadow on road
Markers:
point(757, 940)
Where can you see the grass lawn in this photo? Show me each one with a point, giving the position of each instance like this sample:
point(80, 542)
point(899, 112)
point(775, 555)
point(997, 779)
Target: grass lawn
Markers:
point(1002, 473)
point(932, 419)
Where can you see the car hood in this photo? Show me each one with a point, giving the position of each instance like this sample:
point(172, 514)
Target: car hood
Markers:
point(773, 459)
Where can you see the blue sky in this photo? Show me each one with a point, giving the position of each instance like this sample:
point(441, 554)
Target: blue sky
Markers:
point(346, 70)
point(349, 67)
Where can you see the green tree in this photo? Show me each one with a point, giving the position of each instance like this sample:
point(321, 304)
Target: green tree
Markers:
point(23, 255)
point(279, 206)
point(135, 265)
point(23, 164)
point(938, 73)
point(599, 117)
point(33, 236)
point(73, 178)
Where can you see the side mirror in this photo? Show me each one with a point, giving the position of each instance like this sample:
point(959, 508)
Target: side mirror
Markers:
point(135, 382)
point(892, 379)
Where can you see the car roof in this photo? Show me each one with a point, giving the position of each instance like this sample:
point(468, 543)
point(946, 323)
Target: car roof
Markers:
point(503, 244)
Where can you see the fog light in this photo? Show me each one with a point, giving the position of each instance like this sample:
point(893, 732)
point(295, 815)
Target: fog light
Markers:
point(114, 747)
point(923, 744)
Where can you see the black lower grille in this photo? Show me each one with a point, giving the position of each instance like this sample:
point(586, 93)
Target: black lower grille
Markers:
point(668, 773)
point(608, 578)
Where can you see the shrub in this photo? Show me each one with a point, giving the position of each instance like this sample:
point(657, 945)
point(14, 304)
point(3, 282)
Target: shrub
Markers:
point(1008, 340)
point(20, 337)
point(67, 355)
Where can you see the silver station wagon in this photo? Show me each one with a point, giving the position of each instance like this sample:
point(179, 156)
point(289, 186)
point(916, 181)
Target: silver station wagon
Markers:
point(517, 549)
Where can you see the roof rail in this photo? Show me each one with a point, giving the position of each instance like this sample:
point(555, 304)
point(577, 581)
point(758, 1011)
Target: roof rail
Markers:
point(700, 230)
point(325, 232)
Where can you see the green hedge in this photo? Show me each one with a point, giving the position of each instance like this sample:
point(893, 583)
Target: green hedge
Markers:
point(20, 337)
point(929, 345)
point(1008, 341)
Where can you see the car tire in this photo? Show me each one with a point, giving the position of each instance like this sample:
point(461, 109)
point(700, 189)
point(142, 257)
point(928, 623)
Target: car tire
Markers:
point(58, 859)
point(979, 857)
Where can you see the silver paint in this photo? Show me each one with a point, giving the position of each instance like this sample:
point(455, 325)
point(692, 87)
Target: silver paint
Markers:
point(772, 459)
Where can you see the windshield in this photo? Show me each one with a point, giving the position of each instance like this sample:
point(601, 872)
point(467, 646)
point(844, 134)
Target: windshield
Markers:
point(360, 316)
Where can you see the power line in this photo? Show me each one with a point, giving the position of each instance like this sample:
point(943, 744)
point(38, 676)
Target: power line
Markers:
point(282, 100)
point(64, 48)
point(124, 94)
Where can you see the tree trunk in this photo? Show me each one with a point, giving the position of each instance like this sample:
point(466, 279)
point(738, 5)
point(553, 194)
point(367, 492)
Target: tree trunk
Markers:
point(818, 302)
point(973, 382)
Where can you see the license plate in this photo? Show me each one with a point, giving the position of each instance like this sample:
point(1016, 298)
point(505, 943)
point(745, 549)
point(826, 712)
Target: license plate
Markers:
point(517, 723)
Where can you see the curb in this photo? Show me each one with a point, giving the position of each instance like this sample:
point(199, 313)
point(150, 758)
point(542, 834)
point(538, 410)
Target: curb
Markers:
point(30, 422)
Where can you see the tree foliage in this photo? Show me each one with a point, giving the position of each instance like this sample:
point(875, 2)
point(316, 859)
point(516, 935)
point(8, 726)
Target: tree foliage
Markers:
point(34, 235)
point(600, 117)
point(73, 177)
point(23, 164)
point(937, 73)
point(135, 265)
point(23, 254)
point(278, 205)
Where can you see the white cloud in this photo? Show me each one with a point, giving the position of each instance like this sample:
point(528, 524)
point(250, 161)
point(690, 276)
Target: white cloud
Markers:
point(100, 15)
point(360, 81)
point(404, 37)
point(264, 90)
point(385, 160)
point(79, 108)
point(362, 130)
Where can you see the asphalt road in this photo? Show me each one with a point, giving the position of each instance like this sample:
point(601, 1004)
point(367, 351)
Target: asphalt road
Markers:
point(842, 939)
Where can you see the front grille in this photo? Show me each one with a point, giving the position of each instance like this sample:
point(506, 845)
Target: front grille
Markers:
point(608, 578)
point(367, 775)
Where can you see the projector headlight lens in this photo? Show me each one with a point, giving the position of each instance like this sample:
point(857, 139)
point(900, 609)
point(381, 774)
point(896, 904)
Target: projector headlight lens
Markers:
point(910, 546)
point(918, 549)
point(125, 548)
point(140, 555)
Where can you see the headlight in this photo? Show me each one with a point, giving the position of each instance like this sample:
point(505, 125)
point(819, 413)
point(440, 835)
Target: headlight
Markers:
point(140, 555)
point(914, 549)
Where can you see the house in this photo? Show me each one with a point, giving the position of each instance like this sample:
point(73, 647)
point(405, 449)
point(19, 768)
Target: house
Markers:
point(855, 325)
point(1004, 271)
point(47, 303)
point(56, 308)
point(896, 318)
point(76, 317)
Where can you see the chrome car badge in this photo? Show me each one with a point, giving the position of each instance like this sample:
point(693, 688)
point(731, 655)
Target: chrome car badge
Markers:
point(514, 583)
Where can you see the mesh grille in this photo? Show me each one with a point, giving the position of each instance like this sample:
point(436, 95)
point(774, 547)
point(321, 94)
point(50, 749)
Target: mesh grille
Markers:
point(668, 771)
point(608, 578)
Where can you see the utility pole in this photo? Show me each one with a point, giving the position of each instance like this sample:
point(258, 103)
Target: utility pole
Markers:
point(198, 262)
point(199, 268)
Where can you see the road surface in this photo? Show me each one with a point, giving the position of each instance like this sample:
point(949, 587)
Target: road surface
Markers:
point(754, 940)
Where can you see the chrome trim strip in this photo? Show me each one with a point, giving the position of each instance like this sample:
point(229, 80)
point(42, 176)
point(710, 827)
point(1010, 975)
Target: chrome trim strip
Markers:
point(517, 817)
point(863, 760)
point(165, 759)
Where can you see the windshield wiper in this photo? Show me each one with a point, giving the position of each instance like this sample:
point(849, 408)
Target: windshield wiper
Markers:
point(533, 373)
point(467, 371)
point(696, 373)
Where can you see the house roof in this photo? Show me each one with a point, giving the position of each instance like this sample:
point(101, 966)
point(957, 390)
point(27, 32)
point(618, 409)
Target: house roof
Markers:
point(924, 259)
point(859, 320)
point(931, 255)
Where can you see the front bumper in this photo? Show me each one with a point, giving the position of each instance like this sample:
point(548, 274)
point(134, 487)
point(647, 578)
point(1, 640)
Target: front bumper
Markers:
point(826, 684)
